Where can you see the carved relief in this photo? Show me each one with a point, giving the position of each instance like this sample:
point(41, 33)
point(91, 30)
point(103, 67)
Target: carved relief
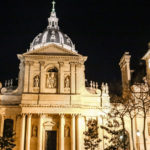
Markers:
point(36, 81)
point(51, 79)
point(34, 131)
point(67, 82)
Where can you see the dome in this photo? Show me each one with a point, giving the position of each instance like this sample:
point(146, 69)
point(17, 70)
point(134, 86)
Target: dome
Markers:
point(52, 35)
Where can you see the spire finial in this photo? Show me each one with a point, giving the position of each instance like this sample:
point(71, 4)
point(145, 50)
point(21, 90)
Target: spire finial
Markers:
point(53, 8)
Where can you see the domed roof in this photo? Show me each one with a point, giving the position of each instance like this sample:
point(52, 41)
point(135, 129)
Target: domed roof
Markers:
point(52, 35)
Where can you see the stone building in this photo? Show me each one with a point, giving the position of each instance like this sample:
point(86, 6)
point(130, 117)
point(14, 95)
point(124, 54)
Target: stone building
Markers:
point(138, 80)
point(51, 105)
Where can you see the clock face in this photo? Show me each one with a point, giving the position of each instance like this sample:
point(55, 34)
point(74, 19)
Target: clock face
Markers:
point(0, 85)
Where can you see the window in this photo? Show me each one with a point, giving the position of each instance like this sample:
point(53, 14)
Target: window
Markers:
point(8, 128)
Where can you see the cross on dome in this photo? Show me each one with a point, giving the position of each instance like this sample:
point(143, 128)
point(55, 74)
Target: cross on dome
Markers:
point(53, 20)
point(53, 8)
point(52, 34)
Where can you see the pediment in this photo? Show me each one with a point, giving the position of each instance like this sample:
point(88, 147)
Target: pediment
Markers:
point(52, 49)
point(49, 123)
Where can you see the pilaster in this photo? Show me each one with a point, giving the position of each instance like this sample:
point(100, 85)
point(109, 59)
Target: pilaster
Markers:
point(61, 77)
point(78, 80)
point(26, 77)
point(42, 75)
point(72, 68)
point(31, 76)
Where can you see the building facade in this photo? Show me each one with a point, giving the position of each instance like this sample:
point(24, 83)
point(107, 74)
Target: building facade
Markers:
point(51, 105)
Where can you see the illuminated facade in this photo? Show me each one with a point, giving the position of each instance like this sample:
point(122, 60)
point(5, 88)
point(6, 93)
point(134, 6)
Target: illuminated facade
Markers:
point(50, 107)
point(138, 80)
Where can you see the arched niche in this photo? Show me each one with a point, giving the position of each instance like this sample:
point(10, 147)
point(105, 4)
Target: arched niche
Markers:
point(52, 78)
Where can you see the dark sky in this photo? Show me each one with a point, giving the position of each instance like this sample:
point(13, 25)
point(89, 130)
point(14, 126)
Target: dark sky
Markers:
point(101, 29)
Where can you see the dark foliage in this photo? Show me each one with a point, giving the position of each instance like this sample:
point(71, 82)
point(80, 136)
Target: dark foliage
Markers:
point(7, 141)
point(115, 134)
point(91, 140)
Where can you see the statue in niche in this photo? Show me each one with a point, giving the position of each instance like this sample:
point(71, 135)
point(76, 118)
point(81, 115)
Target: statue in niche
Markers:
point(67, 131)
point(51, 80)
point(34, 131)
point(36, 81)
point(67, 82)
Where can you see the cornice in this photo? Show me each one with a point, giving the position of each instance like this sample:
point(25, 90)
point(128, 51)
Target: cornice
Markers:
point(61, 106)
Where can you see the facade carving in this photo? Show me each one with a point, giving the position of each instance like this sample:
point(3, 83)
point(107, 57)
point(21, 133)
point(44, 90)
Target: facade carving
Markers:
point(36, 81)
point(51, 81)
point(67, 82)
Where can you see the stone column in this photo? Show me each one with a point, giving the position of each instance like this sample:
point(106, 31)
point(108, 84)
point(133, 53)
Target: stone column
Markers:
point(40, 132)
point(72, 70)
point(42, 76)
point(26, 77)
point(28, 132)
point(61, 77)
point(79, 137)
point(22, 132)
point(73, 144)
point(61, 132)
point(2, 125)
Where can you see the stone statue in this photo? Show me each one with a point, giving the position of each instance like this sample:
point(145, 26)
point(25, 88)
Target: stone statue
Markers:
point(96, 85)
point(6, 83)
point(67, 82)
point(106, 89)
point(11, 83)
point(36, 81)
point(103, 88)
point(67, 132)
point(91, 84)
point(51, 80)
point(34, 131)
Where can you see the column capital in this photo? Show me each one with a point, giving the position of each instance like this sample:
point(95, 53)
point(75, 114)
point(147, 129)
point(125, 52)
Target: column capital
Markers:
point(42, 63)
point(61, 64)
point(72, 63)
point(78, 64)
point(26, 62)
point(62, 115)
point(29, 115)
point(31, 62)
point(79, 115)
point(73, 115)
point(41, 115)
point(23, 115)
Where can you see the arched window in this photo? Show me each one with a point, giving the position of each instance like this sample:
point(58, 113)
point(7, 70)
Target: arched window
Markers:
point(8, 128)
point(52, 78)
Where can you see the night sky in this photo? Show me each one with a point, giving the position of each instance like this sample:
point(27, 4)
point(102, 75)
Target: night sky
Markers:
point(101, 29)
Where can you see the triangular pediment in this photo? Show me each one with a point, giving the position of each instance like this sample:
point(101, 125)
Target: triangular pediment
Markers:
point(52, 49)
